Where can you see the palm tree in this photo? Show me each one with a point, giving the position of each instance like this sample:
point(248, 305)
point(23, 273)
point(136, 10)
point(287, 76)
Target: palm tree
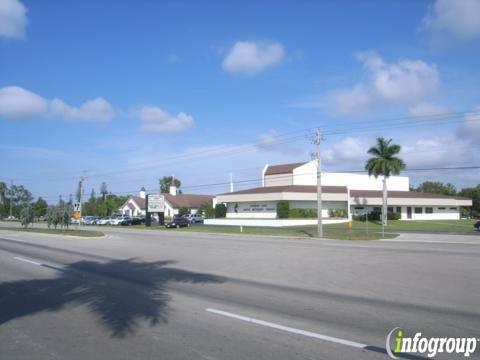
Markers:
point(384, 163)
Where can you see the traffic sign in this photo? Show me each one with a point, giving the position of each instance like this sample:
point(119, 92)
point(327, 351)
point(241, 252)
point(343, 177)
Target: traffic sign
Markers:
point(156, 203)
point(77, 206)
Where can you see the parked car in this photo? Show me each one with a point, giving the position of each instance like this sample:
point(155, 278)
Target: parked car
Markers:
point(195, 218)
point(117, 220)
point(137, 220)
point(103, 221)
point(177, 222)
point(126, 221)
point(89, 220)
point(477, 225)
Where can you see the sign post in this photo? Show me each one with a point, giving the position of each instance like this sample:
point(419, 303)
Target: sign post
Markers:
point(155, 204)
point(77, 210)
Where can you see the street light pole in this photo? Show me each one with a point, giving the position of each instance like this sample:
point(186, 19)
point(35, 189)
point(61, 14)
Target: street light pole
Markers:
point(316, 139)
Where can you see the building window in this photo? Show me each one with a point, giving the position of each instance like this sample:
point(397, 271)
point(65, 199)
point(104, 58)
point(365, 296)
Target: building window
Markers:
point(358, 207)
point(377, 208)
point(428, 210)
point(399, 209)
point(441, 208)
point(453, 208)
point(390, 209)
point(418, 210)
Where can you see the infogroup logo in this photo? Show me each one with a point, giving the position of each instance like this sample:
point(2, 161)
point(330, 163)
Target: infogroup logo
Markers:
point(429, 346)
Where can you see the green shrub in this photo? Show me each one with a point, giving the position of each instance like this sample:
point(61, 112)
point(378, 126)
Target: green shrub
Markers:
point(183, 211)
point(26, 216)
point(375, 215)
point(302, 213)
point(220, 210)
point(394, 216)
point(337, 213)
point(283, 208)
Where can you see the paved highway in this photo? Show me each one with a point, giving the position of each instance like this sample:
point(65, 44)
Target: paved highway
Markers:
point(175, 295)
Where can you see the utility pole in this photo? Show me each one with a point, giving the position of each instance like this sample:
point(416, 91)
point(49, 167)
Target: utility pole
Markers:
point(231, 182)
point(82, 179)
point(11, 197)
point(316, 139)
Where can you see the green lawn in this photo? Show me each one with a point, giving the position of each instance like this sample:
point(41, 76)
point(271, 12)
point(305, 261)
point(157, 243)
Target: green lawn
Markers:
point(360, 230)
point(82, 233)
point(433, 226)
point(294, 231)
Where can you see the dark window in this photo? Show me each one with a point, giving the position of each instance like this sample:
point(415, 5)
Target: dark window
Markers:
point(428, 210)
point(390, 209)
point(377, 208)
point(441, 208)
point(453, 208)
point(358, 207)
point(418, 210)
point(399, 209)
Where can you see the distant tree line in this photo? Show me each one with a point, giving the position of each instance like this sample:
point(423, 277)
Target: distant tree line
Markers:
point(17, 201)
point(437, 187)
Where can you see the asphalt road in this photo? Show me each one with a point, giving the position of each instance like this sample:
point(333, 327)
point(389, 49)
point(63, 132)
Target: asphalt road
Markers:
point(169, 295)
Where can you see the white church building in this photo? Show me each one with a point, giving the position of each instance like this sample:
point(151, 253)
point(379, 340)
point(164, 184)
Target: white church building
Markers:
point(354, 193)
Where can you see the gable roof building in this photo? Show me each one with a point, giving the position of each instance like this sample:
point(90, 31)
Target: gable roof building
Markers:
point(136, 205)
point(350, 193)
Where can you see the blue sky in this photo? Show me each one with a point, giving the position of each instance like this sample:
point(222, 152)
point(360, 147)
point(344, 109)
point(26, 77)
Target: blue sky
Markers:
point(129, 91)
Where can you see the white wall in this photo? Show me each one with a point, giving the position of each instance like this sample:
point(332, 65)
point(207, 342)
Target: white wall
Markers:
point(270, 222)
point(438, 214)
point(253, 209)
point(307, 175)
point(268, 209)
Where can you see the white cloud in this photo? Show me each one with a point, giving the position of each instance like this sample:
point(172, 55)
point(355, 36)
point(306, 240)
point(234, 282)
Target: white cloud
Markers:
point(405, 82)
point(13, 19)
point(97, 109)
point(251, 57)
point(17, 103)
point(348, 150)
point(471, 125)
point(272, 142)
point(427, 109)
point(154, 119)
point(454, 18)
point(435, 151)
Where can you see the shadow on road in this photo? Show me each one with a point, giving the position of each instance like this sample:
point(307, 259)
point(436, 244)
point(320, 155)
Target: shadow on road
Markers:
point(119, 293)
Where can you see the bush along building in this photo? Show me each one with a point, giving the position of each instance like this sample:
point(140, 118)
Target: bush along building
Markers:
point(290, 191)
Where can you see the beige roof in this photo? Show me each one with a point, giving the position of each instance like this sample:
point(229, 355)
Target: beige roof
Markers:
point(282, 168)
point(290, 188)
point(403, 194)
point(190, 201)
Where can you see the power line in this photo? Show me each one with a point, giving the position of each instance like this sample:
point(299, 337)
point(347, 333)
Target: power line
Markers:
point(392, 123)
point(287, 176)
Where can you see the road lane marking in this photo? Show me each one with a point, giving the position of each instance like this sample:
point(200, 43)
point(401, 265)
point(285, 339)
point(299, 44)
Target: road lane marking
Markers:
point(289, 329)
point(44, 264)
point(28, 261)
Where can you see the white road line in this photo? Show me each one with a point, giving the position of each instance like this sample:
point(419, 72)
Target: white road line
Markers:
point(28, 261)
point(289, 329)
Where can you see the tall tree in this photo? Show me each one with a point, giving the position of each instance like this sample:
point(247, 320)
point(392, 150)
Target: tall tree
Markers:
point(437, 187)
point(104, 190)
point(384, 162)
point(78, 192)
point(3, 191)
point(92, 195)
point(474, 194)
point(167, 181)
point(39, 207)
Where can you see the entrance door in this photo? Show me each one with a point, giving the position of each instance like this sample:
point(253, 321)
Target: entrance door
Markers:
point(409, 212)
